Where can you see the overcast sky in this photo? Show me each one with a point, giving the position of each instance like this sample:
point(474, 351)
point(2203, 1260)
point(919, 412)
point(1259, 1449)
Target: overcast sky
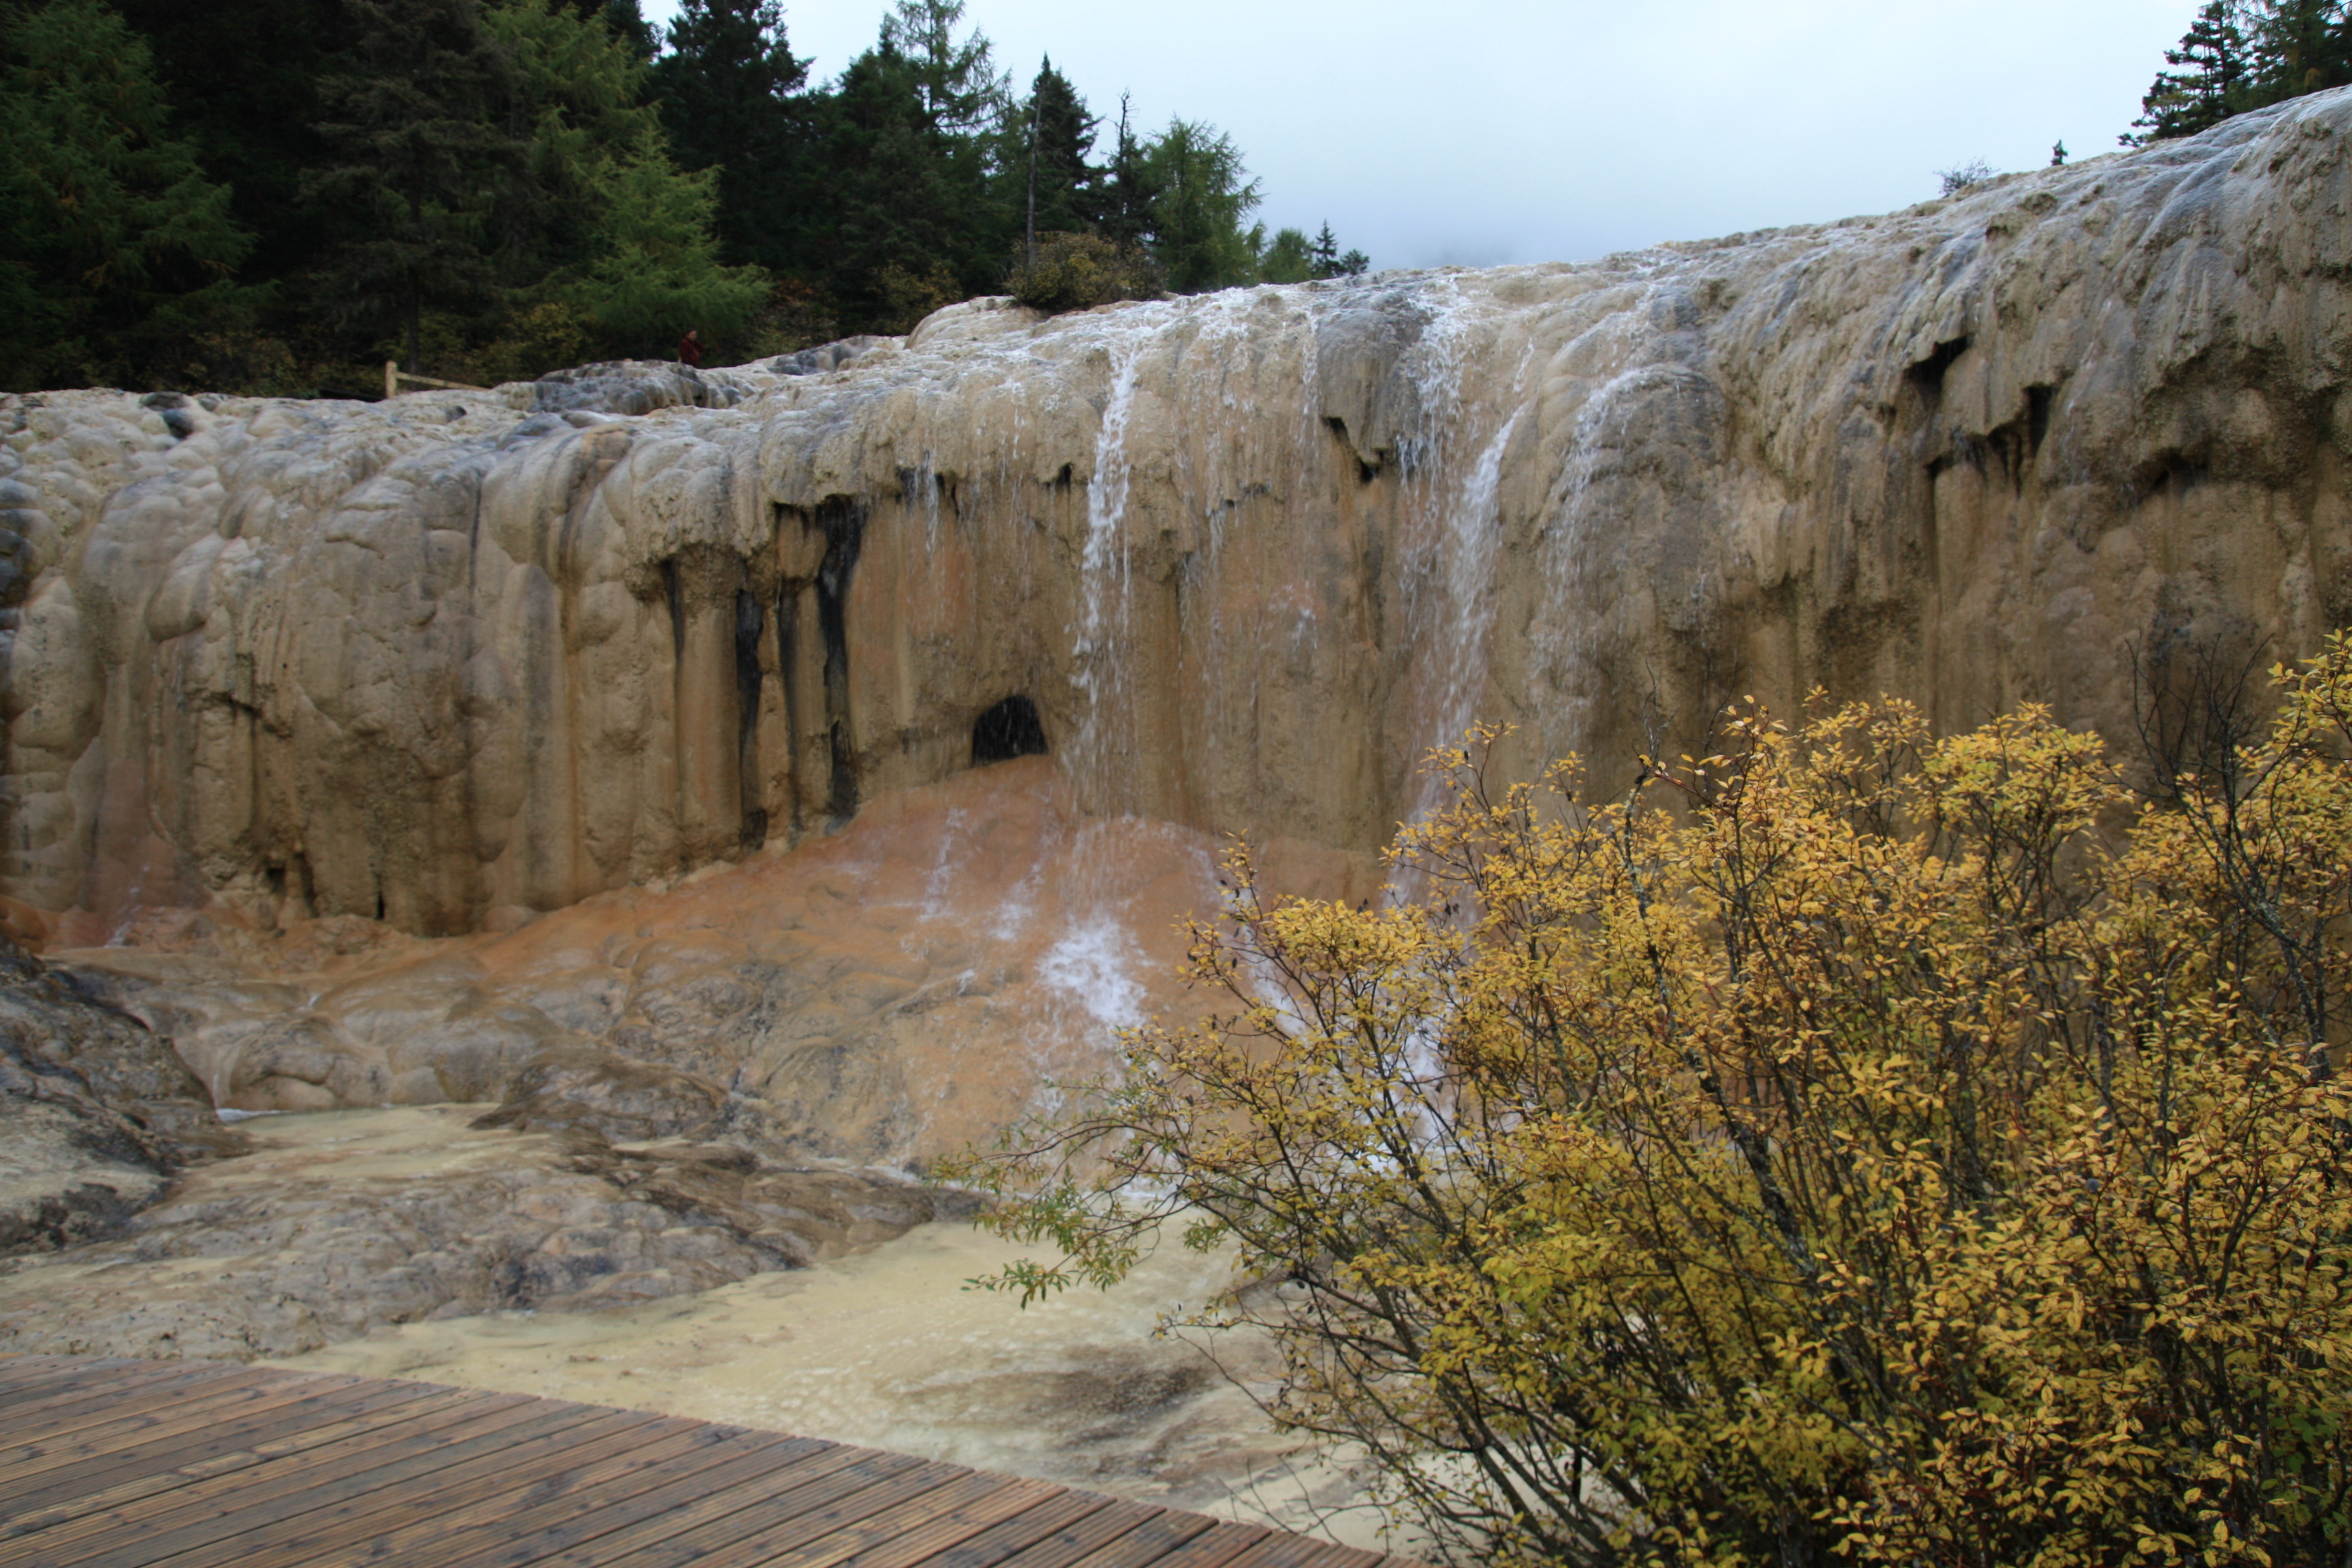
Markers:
point(1492, 130)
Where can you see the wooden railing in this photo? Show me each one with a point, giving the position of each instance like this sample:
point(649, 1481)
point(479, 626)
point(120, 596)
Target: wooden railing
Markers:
point(394, 375)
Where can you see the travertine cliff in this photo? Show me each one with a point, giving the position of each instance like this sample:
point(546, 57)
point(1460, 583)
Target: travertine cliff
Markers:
point(450, 659)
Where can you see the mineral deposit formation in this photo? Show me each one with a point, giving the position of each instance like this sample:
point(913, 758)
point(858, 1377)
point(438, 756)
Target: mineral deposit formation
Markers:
point(1232, 561)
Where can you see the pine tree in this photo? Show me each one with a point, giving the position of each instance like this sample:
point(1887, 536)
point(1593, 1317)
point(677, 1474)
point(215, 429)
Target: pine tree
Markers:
point(1288, 257)
point(892, 203)
point(1129, 189)
point(2298, 46)
point(242, 83)
point(419, 159)
point(627, 19)
point(2210, 82)
point(730, 93)
point(977, 136)
point(1329, 262)
point(1061, 194)
point(653, 269)
point(962, 92)
point(1325, 253)
point(1202, 202)
point(113, 223)
point(2242, 54)
point(602, 223)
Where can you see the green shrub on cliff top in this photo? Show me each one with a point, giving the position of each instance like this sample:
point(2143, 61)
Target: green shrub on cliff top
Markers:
point(1072, 272)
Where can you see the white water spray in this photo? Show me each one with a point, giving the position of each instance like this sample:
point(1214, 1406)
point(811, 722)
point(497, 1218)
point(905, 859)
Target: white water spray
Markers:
point(1103, 573)
point(1093, 966)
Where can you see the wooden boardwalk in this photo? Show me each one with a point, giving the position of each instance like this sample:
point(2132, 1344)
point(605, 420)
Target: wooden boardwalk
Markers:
point(109, 1464)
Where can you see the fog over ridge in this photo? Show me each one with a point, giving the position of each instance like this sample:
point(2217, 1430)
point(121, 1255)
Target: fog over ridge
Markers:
point(1508, 131)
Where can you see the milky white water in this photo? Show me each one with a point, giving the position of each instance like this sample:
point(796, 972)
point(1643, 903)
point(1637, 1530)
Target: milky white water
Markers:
point(891, 1348)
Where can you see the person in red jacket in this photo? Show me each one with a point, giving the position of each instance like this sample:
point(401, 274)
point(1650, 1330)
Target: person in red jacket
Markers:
point(690, 347)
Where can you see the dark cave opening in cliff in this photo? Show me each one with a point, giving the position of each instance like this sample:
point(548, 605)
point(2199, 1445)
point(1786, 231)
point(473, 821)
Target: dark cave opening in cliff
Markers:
point(1011, 729)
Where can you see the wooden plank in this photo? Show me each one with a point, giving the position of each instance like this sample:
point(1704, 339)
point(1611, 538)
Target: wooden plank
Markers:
point(1073, 1543)
point(318, 1528)
point(100, 1393)
point(159, 1423)
point(1278, 1549)
point(202, 1514)
point(18, 1365)
point(66, 1478)
point(129, 1464)
point(1055, 1515)
point(66, 1404)
point(20, 1374)
point(871, 1526)
point(868, 1473)
point(166, 1426)
point(1008, 1501)
point(73, 1417)
point(59, 1400)
point(192, 1512)
point(1194, 1539)
point(22, 1523)
point(46, 1372)
point(569, 1481)
point(646, 1492)
point(753, 1534)
point(685, 1493)
point(799, 1478)
point(1332, 1554)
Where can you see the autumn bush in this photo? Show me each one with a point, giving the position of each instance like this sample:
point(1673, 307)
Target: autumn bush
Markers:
point(1849, 1146)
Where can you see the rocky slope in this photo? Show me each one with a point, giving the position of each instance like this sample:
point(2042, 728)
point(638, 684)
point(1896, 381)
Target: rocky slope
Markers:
point(335, 1227)
point(97, 1113)
point(452, 660)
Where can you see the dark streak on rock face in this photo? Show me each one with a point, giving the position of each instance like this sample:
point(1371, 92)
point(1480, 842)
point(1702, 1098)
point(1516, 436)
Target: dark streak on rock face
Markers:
point(750, 677)
point(842, 523)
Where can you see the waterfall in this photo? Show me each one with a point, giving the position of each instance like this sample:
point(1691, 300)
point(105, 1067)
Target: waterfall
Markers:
point(1474, 543)
point(1098, 666)
point(1455, 528)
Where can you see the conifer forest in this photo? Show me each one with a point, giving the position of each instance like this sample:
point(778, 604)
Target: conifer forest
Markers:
point(275, 196)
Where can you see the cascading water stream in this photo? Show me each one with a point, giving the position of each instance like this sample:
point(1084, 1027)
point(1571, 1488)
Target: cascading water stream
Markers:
point(1102, 582)
point(1456, 527)
point(1090, 962)
point(1455, 540)
point(1474, 541)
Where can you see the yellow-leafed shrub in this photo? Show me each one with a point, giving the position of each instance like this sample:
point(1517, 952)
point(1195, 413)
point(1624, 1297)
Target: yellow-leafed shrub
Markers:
point(1849, 1147)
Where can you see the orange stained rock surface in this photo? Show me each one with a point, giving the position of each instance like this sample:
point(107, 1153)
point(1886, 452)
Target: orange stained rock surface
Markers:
point(883, 994)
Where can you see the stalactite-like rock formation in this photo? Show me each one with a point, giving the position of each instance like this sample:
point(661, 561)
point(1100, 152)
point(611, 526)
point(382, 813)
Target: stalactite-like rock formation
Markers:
point(1246, 557)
